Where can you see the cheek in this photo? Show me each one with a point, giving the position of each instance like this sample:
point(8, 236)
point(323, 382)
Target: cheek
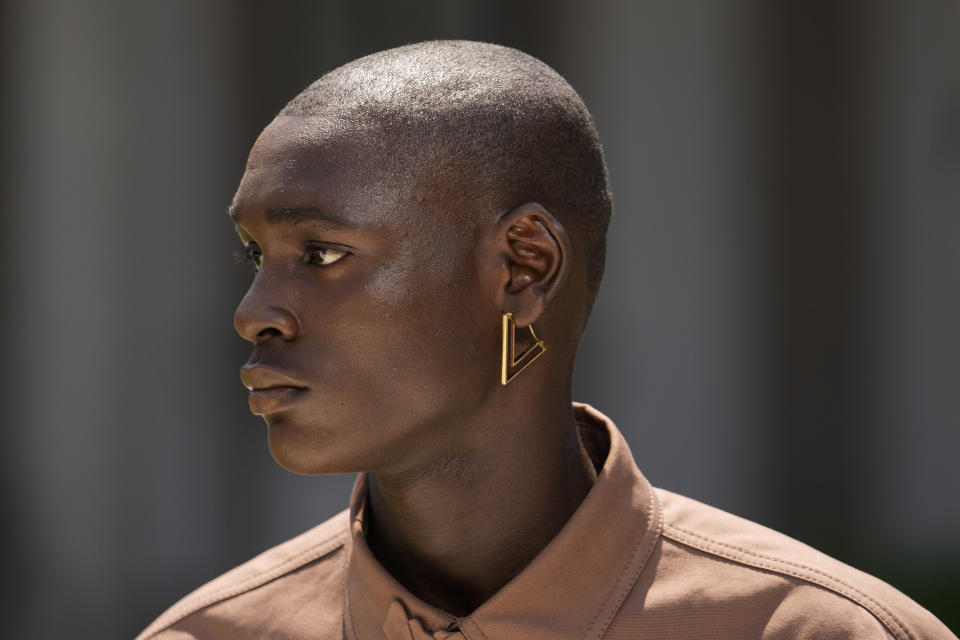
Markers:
point(391, 357)
point(438, 331)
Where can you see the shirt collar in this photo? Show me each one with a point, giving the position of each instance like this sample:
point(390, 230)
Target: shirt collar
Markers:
point(571, 589)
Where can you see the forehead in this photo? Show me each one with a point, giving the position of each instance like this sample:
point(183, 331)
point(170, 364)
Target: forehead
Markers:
point(304, 162)
point(294, 141)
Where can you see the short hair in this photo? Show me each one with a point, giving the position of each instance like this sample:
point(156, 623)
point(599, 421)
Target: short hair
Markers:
point(500, 124)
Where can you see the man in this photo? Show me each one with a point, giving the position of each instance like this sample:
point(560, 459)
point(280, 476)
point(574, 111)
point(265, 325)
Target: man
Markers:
point(427, 226)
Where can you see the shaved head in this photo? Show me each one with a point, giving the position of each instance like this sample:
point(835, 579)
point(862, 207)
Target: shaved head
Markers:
point(476, 128)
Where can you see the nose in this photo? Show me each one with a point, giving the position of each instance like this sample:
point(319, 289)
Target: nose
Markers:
point(261, 315)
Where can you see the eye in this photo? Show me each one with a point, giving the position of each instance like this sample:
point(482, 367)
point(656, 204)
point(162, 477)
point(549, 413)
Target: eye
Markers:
point(323, 255)
point(253, 255)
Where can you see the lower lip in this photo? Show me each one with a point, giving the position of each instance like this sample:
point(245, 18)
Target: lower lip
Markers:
point(264, 401)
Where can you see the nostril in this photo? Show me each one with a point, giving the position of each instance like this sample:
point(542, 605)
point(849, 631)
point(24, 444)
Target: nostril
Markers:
point(269, 332)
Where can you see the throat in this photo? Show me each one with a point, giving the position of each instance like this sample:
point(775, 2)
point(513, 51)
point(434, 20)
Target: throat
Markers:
point(454, 541)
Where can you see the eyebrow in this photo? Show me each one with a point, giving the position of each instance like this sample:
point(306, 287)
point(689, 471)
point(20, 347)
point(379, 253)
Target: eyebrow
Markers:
point(298, 215)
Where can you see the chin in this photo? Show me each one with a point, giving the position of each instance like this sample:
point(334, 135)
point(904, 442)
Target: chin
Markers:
point(308, 451)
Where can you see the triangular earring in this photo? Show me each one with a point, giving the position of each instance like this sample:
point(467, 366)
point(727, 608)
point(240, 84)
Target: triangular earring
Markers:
point(509, 360)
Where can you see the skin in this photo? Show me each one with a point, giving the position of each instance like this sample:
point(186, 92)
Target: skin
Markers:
point(375, 323)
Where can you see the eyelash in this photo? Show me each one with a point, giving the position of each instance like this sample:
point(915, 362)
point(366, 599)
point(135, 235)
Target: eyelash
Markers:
point(252, 256)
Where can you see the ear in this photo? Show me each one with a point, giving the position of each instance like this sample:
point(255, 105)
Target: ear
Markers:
point(536, 252)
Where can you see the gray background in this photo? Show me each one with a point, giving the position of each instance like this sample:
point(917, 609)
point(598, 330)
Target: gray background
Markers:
point(776, 335)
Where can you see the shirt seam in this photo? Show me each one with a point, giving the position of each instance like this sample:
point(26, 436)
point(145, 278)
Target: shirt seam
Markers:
point(770, 563)
point(349, 624)
point(655, 511)
point(274, 572)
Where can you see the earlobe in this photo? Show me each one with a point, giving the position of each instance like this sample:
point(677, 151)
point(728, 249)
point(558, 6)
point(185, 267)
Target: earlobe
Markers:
point(537, 252)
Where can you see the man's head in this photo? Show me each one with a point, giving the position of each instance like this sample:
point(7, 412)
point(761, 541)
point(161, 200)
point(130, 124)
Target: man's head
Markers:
point(396, 208)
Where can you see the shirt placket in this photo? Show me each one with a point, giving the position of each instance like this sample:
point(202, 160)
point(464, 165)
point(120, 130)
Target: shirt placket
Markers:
point(398, 625)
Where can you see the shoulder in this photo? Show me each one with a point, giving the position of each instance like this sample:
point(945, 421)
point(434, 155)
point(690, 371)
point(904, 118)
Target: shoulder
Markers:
point(753, 575)
point(249, 600)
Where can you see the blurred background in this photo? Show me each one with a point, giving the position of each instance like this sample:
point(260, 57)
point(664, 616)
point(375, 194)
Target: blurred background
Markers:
point(777, 333)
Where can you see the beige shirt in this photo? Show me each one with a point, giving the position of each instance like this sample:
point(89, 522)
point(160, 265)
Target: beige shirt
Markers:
point(632, 562)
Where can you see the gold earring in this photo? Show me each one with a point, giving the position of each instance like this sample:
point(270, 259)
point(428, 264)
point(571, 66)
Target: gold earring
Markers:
point(508, 358)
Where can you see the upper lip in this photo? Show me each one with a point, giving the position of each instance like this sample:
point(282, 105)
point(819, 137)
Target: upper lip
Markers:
point(255, 378)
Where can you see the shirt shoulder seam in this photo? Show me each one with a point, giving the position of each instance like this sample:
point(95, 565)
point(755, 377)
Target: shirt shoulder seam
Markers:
point(790, 568)
point(201, 599)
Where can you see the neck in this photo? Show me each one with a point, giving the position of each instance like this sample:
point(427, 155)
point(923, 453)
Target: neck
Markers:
point(457, 527)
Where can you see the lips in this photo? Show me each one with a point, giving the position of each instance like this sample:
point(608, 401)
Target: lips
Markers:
point(271, 390)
